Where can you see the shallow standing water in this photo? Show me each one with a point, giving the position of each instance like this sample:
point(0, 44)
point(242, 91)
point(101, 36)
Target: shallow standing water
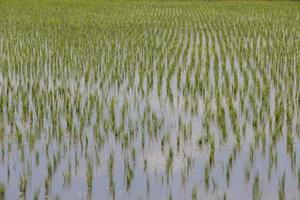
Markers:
point(149, 100)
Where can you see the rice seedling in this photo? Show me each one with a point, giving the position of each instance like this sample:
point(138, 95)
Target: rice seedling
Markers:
point(281, 191)
point(36, 194)
point(298, 178)
point(23, 185)
point(2, 191)
point(89, 175)
point(120, 99)
point(194, 193)
point(256, 189)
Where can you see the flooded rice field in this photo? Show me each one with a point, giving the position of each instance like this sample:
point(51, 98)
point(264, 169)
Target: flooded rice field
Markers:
point(149, 100)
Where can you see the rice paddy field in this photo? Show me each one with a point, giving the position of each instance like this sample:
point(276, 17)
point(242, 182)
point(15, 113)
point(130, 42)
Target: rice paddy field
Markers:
point(149, 99)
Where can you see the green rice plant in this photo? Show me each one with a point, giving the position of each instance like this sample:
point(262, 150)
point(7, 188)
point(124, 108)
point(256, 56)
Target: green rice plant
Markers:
point(212, 151)
point(2, 191)
point(298, 178)
point(256, 194)
point(111, 178)
point(289, 142)
point(247, 174)
point(129, 175)
point(281, 190)
point(89, 175)
point(36, 194)
point(194, 193)
point(206, 176)
point(67, 178)
point(169, 161)
point(23, 185)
